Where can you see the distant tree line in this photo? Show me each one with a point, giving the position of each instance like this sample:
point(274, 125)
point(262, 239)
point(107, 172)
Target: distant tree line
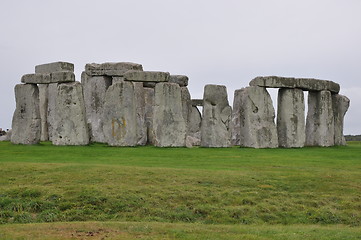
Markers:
point(353, 137)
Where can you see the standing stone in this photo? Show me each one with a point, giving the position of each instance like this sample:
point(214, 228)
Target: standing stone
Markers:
point(43, 107)
point(51, 112)
point(236, 118)
point(120, 122)
point(320, 128)
point(258, 129)
point(70, 124)
point(215, 129)
point(169, 125)
point(291, 118)
point(149, 96)
point(94, 97)
point(140, 113)
point(26, 123)
point(194, 126)
point(340, 105)
point(186, 103)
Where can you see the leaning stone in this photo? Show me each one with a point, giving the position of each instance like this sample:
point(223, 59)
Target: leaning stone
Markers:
point(43, 107)
point(258, 129)
point(140, 113)
point(169, 125)
point(149, 96)
point(197, 102)
point(54, 67)
point(307, 84)
point(26, 123)
point(291, 118)
point(70, 126)
point(181, 80)
point(51, 113)
point(120, 121)
point(215, 129)
point(146, 76)
point(236, 118)
point(320, 128)
point(111, 69)
point(94, 89)
point(340, 105)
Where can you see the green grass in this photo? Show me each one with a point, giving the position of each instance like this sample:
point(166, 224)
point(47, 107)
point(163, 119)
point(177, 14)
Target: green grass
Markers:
point(224, 189)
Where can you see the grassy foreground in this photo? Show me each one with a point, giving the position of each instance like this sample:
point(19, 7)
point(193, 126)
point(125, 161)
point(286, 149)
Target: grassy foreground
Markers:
point(253, 191)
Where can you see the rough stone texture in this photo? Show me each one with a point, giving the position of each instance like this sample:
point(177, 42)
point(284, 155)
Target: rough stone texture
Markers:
point(120, 121)
point(149, 84)
point(340, 106)
point(169, 125)
point(215, 129)
point(94, 89)
point(62, 77)
point(46, 78)
point(26, 123)
point(149, 96)
point(181, 80)
point(52, 96)
point(306, 84)
point(258, 129)
point(236, 118)
point(111, 69)
point(54, 67)
point(320, 129)
point(194, 126)
point(117, 79)
point(140, 111)
point(291, 118)
point(146, 76)
point(43, 107)
point(70, 126)
point(197, 102)
point(186, 104)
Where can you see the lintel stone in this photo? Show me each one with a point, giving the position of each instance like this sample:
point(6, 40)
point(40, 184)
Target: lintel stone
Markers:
point(146, 76)
point(54, 67)
point(47, 78)
point(111, 68)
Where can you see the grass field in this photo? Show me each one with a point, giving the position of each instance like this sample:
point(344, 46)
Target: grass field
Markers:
point(166, 193)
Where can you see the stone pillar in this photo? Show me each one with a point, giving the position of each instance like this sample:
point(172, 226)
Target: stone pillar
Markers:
point(43, 107)
point(215, 129)
point(291, 118)
point(70, 124)
point(169, 126)
point(140, 113)
point(257, 127)
point(26, 123)
point(320, 128)
point(236, 118)
point(194, 126)
point(340, 105)
point(120, 122)
point(51, 114)
point(149, 96)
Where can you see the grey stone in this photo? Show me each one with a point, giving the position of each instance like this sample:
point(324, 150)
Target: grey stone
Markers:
point(197, 102)
point(146, 76)
point(26, 123)
point(181, 80)
point(340, 106)
point(140, 113)
point(47, 78)
point(54, 67)
point(307, 84)
point(117, 79)
point(149, 97)
point(111, 69)
point(62, 77)
point(215, 127)
point(291, 118)
point(94, 89)
point(70, 127)
point(236, 118)
point(43, 107)
point(320, 128)
point(120, 121)
point(186, 103)
point(258, 129)
point(194, 126)
point(149, 84)
point(51, 114)
point(169, 125)
point(192, 141)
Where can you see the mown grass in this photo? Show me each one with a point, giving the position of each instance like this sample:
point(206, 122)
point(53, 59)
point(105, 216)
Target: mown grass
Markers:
point(238, 186)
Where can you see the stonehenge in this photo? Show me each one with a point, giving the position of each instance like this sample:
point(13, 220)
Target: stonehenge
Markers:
point(120, 104)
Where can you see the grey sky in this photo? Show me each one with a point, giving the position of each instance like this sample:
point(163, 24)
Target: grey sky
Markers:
point(225, 42)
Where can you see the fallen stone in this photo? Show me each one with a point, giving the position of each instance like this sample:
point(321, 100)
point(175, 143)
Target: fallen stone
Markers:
point(140, 113)
point(307, 84)
point(51, 114)
point(181, 80)
point(215, 127)
point(291, 118)
point(197, 102)
point(149, 96)
point(70, 127)
point(94, 89)
point(340, 105)
point(120, 121)
point(236, 118)
point(320, 128)
point(54, 67)
point(26, 123)
point(111, 69)
point(43, 107)
point(258, 129)
point(169, 125)
point(146, 76)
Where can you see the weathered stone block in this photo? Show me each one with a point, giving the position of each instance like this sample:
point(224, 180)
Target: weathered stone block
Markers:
point(62, 77)
point(215, 129)
point(169, 125)
point(54, 67)
point(340, 106)
point(26, 123)
point(149, 98)
point(291, 118)
point(194, 126)
point(70, 126)
point(181, 80)
point(320, 128)
point(236, 118)
point(146, 76)
point(257, 127)
point(47, 78)
point(43, 107)
point(111, 69)
point(52, 96)
point(140, 113)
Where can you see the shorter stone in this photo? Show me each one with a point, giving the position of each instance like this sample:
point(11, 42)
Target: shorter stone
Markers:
point(54, 67)
point(181, 80)
point(111, 68)
point(146, 76)
point(197, 102)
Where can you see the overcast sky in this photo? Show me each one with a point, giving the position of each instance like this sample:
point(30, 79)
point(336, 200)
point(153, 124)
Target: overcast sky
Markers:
point(227, 42)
